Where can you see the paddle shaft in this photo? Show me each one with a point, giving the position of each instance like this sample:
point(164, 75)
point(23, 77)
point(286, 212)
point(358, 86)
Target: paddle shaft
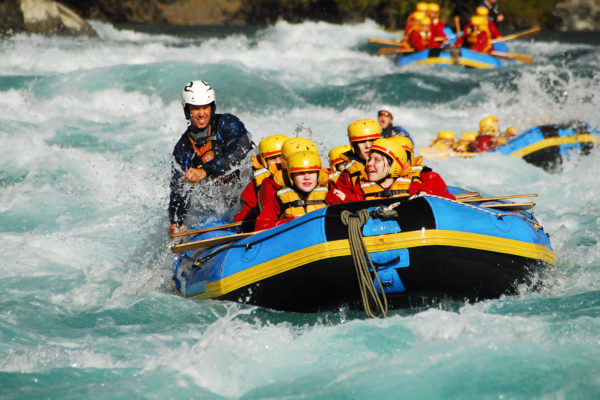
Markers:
point(212, 228)
point(466, 194)
point(201, 244)
point(393, 50)
point(530, 31)
point(480, 199)
point(513, 56)
point(509, 206)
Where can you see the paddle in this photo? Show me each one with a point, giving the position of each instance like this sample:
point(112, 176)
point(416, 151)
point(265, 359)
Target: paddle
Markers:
point(393, 50)
point(200, 244)
point(389, 42)
point(513, 56)
point(509, 206)
point(530, 31)
point(457, 24)
point(212, 228)
point(396, 31)
point(465, 195)
point(465, 199)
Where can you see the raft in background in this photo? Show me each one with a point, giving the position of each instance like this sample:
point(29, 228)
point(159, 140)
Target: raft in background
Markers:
point(426, 249)
point(545, 146)
point(455, 56)
point(550, 146)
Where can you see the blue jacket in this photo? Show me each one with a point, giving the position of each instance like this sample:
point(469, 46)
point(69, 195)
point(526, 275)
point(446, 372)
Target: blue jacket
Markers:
point(396, 131)
point(220, 153)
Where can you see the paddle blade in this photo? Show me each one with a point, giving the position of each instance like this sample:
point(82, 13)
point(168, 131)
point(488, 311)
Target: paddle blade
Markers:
point(513, 56)
point(202, 244)
point(392, 50)
point(389, 42)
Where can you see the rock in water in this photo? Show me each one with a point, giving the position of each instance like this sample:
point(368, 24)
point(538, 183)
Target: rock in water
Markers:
point(42, 16)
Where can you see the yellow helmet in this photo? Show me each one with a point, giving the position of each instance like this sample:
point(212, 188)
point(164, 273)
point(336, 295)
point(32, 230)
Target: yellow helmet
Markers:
point(433, 7)
point(511, 131)
point(482, 11)
point(303, 161)
point(445, 135)
point(422, 6)
point(407, 145)
point(296, 144)
point(419, 15)
point(425, 21)
point(393, 150)
point(336, 152)
point(468, 136)
point(364, 129)
point(488, 124)
point(270, 146)
point(479, 20)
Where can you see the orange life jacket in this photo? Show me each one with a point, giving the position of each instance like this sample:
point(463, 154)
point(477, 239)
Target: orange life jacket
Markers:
point(399, 188)
point(292, 205)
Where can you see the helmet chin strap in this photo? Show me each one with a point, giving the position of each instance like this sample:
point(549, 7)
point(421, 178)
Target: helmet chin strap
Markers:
point(379, 182)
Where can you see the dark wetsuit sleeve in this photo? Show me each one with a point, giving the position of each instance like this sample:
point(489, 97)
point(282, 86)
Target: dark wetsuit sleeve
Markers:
point(236, 145)
point(178, 200)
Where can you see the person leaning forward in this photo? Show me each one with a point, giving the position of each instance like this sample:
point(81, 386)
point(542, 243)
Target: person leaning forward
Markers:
point(213, 145)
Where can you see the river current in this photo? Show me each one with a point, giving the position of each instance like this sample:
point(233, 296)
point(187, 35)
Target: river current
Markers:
point(87, 127)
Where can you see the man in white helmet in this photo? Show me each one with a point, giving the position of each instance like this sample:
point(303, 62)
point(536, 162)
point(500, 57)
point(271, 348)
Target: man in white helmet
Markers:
point(213, 145)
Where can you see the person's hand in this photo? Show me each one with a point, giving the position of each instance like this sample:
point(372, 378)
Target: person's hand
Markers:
point(500, 17)
point(173, 229)
point(194, 175)
point(339, 194)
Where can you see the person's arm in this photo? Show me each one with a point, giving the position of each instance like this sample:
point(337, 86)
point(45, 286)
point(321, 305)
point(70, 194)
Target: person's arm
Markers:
point(270, 210)
point(482, 42)
point(249, 202)
point(236, 145)
point(178, 198)
point(416, 42)
point(430, 182)
point(493, 30)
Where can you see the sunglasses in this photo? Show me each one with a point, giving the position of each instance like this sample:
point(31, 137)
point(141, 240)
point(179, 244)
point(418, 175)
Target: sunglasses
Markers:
point(385, 114)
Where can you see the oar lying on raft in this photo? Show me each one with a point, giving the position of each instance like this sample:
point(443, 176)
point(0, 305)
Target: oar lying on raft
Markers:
point(200, 244)
point(212, 228)
point(389, 42)
point(466, 195)
point(476, 199)
point(393, 50)
point(509, 206)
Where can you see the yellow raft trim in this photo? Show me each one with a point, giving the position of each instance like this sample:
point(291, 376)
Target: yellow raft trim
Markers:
point(448, 60)
point(339, 248)
point(556, 141)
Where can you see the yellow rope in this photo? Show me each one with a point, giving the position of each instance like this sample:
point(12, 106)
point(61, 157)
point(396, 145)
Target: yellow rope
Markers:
point(365, 270)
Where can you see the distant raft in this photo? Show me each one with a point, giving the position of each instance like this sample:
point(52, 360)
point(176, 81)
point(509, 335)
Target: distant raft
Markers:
point(549, 146)
point(456, 56)
point(423, 250)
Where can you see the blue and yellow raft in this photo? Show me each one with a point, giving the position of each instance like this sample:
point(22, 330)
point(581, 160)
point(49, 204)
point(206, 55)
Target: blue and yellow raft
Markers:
point(549, 146)
point(423, 250)
point(456, 56)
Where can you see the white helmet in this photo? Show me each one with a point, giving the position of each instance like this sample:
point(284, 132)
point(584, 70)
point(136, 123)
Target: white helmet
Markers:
point(197, 93)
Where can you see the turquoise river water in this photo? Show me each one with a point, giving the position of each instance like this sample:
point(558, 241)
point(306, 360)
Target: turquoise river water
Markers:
point(87, 310)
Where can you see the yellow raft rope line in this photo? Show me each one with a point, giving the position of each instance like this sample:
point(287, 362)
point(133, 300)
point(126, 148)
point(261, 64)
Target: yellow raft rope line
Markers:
point(365, 270)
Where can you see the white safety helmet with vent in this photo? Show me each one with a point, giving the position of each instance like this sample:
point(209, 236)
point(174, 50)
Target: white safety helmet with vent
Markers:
point(197, 93)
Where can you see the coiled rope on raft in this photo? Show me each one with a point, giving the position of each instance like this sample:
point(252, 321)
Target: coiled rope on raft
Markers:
point(365, 270)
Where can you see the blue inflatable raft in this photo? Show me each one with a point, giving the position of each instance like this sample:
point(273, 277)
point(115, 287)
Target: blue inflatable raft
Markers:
point(549, 146)
point(455, 56)
point(423, 250)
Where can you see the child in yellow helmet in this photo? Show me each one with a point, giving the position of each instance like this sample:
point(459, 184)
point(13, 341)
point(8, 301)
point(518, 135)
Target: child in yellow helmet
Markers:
point(361, 134)
point(264, 165)
point(306, 191)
